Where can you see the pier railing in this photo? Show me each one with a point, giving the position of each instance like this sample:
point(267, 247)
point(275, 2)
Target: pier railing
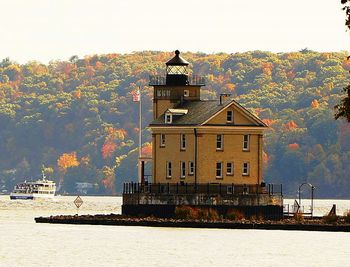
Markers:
point(209, 188)
point(202, 194)
point(191, 80)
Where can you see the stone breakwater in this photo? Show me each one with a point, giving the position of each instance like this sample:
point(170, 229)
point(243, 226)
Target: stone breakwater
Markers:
point(114, 219)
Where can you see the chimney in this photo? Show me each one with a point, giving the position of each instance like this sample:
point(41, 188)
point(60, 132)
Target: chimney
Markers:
point(223, 97)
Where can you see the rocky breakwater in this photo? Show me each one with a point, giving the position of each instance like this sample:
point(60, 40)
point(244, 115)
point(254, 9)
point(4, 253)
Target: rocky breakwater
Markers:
point(320, 224)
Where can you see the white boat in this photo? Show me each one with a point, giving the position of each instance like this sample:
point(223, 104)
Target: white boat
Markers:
point(32, 190)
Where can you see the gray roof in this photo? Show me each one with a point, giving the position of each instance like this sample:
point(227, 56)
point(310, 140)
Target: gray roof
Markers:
point(198, 113)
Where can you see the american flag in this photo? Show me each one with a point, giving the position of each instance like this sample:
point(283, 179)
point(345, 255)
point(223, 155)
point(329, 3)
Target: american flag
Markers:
point(136, 95)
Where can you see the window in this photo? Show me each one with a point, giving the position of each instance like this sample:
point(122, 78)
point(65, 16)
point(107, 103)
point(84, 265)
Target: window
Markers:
point(230, 190)
point(245, 170)
point(186, 93)
point(168, 118)
point(229, 116)
point(162, 140)
point(183, 142)
point(218, 169)
point(168, 169)
point(159, 92)
point(246, 138)
point(219, 142)
point(190, 167)
point(182, 169)
point(168, 93)
point(229, 168)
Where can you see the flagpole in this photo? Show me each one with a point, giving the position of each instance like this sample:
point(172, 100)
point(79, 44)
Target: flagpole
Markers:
point(140, 135)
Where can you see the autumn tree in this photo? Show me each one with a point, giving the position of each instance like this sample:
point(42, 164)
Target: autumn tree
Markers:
point(343, 108)
point(67, 160)
point(108, 179)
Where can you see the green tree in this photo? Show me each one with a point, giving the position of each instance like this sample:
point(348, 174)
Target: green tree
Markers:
point(343, 108)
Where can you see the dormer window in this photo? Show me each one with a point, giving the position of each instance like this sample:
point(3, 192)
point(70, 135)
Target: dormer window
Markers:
point(173, 112)
point(168, 118)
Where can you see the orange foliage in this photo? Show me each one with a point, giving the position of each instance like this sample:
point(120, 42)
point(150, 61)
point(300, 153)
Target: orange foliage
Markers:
point(90, 71)
point(267, 68)
point(67, 69)
point(315, 104)
point(291, 75)
point(293, 146)
point(115, 134)
point(17, 94)
point(67, 160)
point(268, 122)
point(146, 150)
point(77, 94)
point(230, 86)
point(108, 149)
point(291, 125)
point(98, 65)
point(346, 64)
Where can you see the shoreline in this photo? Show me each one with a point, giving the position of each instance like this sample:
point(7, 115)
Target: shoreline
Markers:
point(120, 220)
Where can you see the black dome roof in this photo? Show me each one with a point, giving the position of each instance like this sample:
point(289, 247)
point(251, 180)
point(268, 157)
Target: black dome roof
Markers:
point(177, 60)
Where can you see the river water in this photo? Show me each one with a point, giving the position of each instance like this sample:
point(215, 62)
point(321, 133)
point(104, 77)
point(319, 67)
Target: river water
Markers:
point(25, 243)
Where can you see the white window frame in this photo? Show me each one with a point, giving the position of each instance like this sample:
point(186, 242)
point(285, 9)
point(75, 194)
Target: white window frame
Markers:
point(227, 168)
point(245, 169)
point(218, 168)
point(168, 169)
point(168, 118)
point(246, 142)
point(190, 168)
point(182, 169)
point(227, 116)
point(162, 140)
point(182, 141)
point(220, 141)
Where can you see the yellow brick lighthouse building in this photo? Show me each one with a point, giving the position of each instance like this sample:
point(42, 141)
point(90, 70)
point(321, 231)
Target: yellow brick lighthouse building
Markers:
point(201, 141)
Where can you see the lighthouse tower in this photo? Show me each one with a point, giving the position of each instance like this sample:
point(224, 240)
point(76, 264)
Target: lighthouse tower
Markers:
point(177, 86)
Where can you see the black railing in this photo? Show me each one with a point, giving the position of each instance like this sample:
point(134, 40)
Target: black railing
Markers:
point(191, 80)
point(208, 189)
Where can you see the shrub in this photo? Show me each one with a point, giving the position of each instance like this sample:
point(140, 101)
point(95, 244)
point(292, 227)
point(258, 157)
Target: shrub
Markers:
point(298, 217)
point(332, 219)
point(258, 218)
point(192, 213)
point(234, 215)
point(186, 213)
point(212, 214)
point(347, 216)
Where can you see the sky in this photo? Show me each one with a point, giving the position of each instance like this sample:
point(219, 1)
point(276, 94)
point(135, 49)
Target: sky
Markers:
point(45, 30)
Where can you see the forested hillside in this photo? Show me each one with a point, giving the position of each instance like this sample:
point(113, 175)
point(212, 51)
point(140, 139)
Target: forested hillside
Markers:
point(76, 118)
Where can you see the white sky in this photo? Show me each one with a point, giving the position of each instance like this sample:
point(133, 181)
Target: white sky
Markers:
point(46, 30)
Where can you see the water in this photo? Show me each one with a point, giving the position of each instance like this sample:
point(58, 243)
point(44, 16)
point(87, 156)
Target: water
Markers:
point(25, 243)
